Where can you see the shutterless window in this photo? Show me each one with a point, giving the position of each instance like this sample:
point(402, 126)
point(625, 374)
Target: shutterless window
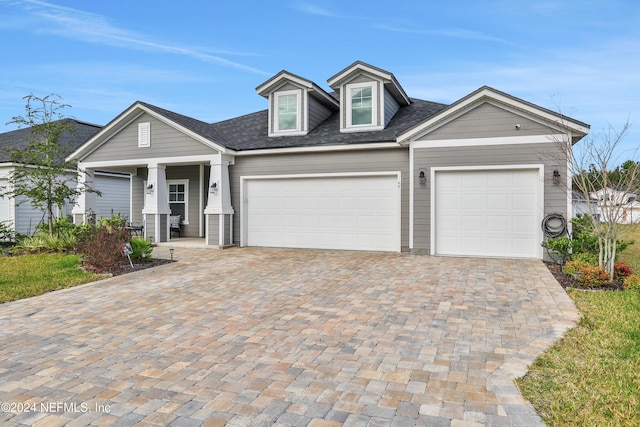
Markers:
point(287, 112)
point(361, 106)
point(178, 199)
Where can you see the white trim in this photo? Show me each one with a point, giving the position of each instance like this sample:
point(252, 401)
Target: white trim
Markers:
point(143, 162)
point(243, 197)
point(320, 149)
point(374, 125)
point(184, 182)
point(274, 125)
point(476, 142)
point(540, 201)
point(221, 230)
point(201, 216)
point(411, 196)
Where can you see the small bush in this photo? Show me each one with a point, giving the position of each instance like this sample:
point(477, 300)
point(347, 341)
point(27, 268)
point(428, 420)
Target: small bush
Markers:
point(632, 282)
point(561, 246)
point(62, 224)
point(572, 267)
point(587, 257)
point(142, 249)
point(102, 246)
point(621, 270)
point(592, 276)
point(62, 241)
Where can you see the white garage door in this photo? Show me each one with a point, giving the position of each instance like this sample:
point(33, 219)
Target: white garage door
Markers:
point(493, 213)
point(354, 212)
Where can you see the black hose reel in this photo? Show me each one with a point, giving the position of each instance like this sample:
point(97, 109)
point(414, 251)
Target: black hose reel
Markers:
point(554, 225)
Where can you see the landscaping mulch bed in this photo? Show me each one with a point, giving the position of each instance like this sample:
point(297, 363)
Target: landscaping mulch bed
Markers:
point(570, 282)
point(126, 268)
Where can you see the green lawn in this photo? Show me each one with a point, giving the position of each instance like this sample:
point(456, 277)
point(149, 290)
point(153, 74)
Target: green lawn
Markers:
point(29, 275)
point(592, 376)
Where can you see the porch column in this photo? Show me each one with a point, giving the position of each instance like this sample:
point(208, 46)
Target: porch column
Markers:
point(219, 212)
point(86, 202)
point(156, 204)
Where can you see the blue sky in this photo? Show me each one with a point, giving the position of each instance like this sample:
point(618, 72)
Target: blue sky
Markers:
point(204, 59)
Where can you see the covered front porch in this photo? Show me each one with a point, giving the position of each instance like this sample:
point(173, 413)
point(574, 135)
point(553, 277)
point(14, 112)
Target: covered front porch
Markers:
point(181, 200)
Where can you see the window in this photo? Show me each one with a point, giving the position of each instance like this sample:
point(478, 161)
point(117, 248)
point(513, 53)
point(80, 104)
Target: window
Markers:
point(179, 198)
point(144, 134)
point(362, 106)
point(288, 111)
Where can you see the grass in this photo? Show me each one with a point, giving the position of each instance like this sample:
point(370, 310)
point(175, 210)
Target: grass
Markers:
point(30, 275)
point(592, 375)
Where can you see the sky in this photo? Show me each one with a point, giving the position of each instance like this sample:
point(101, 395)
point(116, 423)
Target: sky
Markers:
point(204, 58)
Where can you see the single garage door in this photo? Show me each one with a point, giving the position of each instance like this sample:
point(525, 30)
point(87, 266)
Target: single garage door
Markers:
point(329, 212)
point(493, 213)
point(4, 203)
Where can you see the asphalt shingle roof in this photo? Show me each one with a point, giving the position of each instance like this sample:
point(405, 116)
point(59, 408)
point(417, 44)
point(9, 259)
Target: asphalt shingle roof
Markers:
point(72, 140)
point(250, 132)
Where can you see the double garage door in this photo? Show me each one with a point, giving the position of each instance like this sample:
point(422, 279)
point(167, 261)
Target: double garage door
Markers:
point(494, 213)
point(325, 212)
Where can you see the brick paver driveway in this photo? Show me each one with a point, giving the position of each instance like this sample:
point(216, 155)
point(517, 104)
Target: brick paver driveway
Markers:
point(284, 337)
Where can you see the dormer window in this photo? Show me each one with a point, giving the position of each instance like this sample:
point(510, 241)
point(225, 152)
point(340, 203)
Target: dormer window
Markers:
point(288, 108)
point(361, 105)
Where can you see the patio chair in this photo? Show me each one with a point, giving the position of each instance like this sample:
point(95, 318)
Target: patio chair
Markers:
point(175, 224)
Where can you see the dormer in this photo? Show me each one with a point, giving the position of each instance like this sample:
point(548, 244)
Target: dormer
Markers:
point(296, 105)
point(369, 97)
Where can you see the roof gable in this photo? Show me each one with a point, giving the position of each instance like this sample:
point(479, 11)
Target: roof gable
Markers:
point(487, 94)
point(391, 84)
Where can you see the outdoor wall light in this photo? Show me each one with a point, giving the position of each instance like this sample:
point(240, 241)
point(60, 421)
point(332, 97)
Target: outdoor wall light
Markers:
point(149, 188)
point(171, 252)
point(422, 177)
point(214, 187)
point(556, 177)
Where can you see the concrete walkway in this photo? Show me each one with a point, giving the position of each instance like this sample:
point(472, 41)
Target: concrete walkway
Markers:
point(248, 337)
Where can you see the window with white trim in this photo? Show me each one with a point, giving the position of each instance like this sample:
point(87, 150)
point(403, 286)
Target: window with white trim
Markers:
point(362, 105)
point(179, 198)
point(288, 111)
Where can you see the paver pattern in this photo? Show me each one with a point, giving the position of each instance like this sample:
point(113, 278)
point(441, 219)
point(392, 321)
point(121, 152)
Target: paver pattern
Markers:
point(252, 337)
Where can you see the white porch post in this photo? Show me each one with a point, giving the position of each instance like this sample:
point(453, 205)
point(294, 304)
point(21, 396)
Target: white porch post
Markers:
point(156, 204)
point(86, 201)
point(219, 203)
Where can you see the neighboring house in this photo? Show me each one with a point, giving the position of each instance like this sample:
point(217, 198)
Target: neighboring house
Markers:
point(23, 217)
point(365, 167)
point(581, 206)
point(621, 206)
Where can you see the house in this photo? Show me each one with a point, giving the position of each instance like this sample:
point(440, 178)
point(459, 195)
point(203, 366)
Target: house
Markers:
point(361, 167)
point(23, 217)
point(582, 206)
point(620, 205)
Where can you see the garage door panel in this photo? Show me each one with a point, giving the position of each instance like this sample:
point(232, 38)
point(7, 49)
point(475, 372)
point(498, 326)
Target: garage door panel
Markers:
point(329, 213)
point(486, 212)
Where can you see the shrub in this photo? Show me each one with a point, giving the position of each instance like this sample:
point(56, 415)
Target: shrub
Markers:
point(142, 249)
point(593, 276)
point(561, 246)
point(101, 246)
point(587, 257)
point(632, 282)
point(62, 241)
point(62, 224)
point(572, 267)
point(7, 234)
point(621, 270)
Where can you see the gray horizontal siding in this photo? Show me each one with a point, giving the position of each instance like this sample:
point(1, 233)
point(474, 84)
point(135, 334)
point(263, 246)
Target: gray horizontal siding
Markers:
point(165, 142)
point(548, 154)
point(115, 195)
point(339, 162)
point(391, 106)
point(487, 121)
point(318, 113)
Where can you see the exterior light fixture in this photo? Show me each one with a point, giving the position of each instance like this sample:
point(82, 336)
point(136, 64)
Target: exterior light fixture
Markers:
point(214, 187)
point(149, 188)
point(556, 177)
point(171, 252)
point(422, 177)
